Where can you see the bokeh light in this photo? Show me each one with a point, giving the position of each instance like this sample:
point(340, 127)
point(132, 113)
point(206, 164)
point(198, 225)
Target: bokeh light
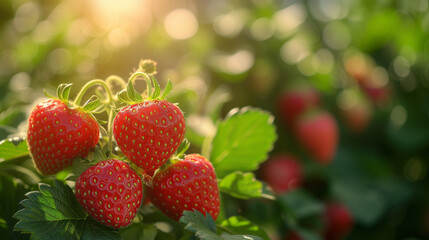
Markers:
point(181, 24)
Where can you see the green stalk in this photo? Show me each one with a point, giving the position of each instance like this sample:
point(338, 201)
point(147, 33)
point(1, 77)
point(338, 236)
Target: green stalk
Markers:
point(109, 109)
point(114, 78)
point(85, 88)
point(147, 79)
point(110, 128)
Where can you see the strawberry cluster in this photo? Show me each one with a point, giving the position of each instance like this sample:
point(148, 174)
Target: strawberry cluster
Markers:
point(148, 132)
point(315, 128)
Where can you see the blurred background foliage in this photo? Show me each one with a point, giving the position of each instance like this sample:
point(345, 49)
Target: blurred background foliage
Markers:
point(224, 54)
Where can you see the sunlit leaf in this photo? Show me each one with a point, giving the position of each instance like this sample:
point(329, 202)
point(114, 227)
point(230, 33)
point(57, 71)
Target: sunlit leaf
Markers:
point(54, 213)
point(241, 225)
point(241, 185)
point(11, 148)
point(242, 141)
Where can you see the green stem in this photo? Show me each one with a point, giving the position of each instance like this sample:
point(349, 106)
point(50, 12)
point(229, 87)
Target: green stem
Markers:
point(110, 103)
point(114, 78)
point(110, 128)
point(225, 229)
point(147, 79)
point(85, 88)
point(267, 196)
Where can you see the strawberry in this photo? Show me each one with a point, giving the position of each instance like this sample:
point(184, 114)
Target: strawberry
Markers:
point(148, 133)
point(295, 102)
point(380, 95)
point(339, 221)
point(185, 185)
point(372, 79)
point(318, 133)
point(282, 173)
point(57, 134)
point(110, 192)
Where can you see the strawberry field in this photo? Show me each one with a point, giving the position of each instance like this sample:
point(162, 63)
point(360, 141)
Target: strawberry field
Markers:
point(151, 120)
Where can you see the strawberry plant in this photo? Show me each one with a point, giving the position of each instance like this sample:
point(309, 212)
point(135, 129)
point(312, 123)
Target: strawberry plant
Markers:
point(129, 176)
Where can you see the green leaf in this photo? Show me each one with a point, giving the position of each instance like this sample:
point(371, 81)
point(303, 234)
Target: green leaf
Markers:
point(54, 213)
point(306, 234)
point(157, 90)
point(123, 96)
point(241, 185)
point(91, 104)
point(23, 173)
point(13, 148)
point(63, 91)
point(167, 89)
point(228, 236)
point(12, 116)
point(241, 225)
point(183, 147)
point(80, 165)
point(142, 231)
point(366, 202)
point(66, 92)
point(59, 90)
point(47, 94)
point(242, 141)
point(203, 227)
point(96, 231)
point(299, 204)
point(133, 95)
point(11, 193)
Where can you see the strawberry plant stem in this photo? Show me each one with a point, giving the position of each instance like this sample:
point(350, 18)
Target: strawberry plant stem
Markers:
point(110, 102)
point(114, 78)
point(146, 78)
point(109, 127)
point(85, 88)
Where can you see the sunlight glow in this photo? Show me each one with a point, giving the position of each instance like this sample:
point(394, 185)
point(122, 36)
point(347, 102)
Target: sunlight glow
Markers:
point(181, 24)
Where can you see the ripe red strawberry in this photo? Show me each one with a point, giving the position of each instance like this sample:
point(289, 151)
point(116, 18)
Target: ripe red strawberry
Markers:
point(186, 185)
point(372, 79)
point(57, 134)
point(149, 133)
point(282, 173)
point(295, 102)
point(318, 133)
point(110, 192)
point(380, 95)
point(339, 221)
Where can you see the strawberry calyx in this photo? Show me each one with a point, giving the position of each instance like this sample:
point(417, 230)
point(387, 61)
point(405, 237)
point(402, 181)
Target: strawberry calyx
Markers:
point(178, 155)
point(62, 93)
point(91, 106)
point(153, 89)
point(183, 147)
